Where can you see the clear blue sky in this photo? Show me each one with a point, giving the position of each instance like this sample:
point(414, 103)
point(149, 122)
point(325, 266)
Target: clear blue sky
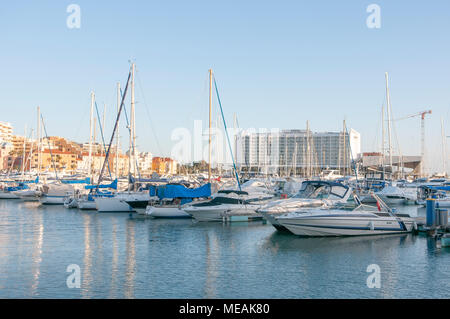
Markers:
point(278, 64)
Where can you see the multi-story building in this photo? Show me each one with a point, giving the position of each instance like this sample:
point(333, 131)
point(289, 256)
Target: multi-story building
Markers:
point(97, 161)
point(6, 131)
point(164, 165)
point(296, 151)
point(145, 161)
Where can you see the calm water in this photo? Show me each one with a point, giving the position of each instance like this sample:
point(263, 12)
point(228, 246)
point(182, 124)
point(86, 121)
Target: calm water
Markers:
point(123, 257)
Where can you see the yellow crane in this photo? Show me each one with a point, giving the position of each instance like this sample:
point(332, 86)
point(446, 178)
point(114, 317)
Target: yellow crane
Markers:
point(422, 133)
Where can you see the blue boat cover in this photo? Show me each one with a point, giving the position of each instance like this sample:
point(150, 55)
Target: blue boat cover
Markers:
point(113, 185)
point(180, 191)
point(437, 187)
point(76, 181)
point(19, 187)
point(133, 180)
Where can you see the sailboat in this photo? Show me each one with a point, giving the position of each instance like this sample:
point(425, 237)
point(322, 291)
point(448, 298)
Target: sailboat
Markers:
point(117, 202)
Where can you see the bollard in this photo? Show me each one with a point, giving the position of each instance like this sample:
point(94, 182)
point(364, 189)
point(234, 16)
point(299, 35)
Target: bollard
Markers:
point(431, 212)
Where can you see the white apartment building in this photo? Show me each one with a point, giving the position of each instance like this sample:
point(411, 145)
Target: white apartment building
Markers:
point(6, 132)
point(296, 150)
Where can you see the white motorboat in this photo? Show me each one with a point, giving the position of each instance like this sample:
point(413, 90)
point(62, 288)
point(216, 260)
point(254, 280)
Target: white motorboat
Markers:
point(311, 194)
point(86, 203)
point(363, 220)
point(227, 204)
point(28, 195)
point(8, 195)
point(393, 195)
point(167, 201)
point(55, 194)
point(440, 193)
point(166, 211)
point(71, 202)
point(118, 203)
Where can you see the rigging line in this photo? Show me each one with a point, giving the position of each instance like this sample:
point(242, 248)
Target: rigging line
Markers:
point(152, 126)
point(226, 132)
point(49, 147)
point(103, 138)
point(114, 131)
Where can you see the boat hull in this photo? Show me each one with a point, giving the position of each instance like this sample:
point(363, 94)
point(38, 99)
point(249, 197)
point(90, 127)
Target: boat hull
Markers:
point(112, 205)
point(52, 200)
point(8, 195)
point(166, 212)
point(221, 213)
point(139, 206)
point(86, 204)
point(335, 226)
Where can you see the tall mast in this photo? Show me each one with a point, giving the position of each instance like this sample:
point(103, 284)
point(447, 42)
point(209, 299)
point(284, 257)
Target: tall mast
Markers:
point(209, 138)
point(103, 125)
point(133, 122)
point(382, 140)
point(388, 99)
point(444, 148)
point(91, 122)
point(308, 152)
point(117, 137)
point(23, 154)
point(38, 138)
point(345, 148)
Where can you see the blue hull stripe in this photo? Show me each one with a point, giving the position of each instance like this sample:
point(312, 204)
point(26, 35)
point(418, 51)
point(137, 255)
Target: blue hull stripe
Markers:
point(346, 227)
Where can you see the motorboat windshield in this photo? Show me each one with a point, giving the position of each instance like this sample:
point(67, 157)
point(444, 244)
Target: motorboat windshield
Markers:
point(321, 190)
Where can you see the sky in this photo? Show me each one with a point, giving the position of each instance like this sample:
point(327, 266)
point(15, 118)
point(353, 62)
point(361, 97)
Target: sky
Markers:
point(277, 65)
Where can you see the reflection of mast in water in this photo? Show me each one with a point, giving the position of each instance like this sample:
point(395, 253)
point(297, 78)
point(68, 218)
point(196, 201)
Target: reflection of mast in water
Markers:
point(115, 259)
point(37, 251)
point(130, 260)
point(211, 266)
point(87, 261)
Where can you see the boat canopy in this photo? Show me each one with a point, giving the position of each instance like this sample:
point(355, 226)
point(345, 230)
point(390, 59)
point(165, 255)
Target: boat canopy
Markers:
point(435, 187)
point(87, 180)
point(321, 190)
point(113, 185)
point(180, 191)
point(19, 187)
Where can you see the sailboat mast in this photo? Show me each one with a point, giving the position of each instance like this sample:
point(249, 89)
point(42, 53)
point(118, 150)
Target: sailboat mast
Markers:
point(133, 120)
point(91, 121)
point(209, 138)
point(103, 125)
point(444, 148)
point(382, 140)
point(388, 99)
point(38, 138)
point(308, 151)
point(23, 152)
point(117, 137)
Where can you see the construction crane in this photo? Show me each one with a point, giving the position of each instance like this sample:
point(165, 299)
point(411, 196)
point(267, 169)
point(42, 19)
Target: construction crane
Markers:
point(422, 128)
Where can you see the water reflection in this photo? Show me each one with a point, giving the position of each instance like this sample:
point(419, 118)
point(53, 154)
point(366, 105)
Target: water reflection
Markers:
point(38, 239)
point(122, 257)
point(212, 257)
point(130, 259)
point(88, 255)
point(115, 260)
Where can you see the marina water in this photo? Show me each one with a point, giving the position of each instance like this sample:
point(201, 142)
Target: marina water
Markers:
point(123, 256)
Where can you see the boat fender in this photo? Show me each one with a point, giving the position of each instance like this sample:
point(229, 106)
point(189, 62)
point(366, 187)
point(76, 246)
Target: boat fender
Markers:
point(371, 225)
